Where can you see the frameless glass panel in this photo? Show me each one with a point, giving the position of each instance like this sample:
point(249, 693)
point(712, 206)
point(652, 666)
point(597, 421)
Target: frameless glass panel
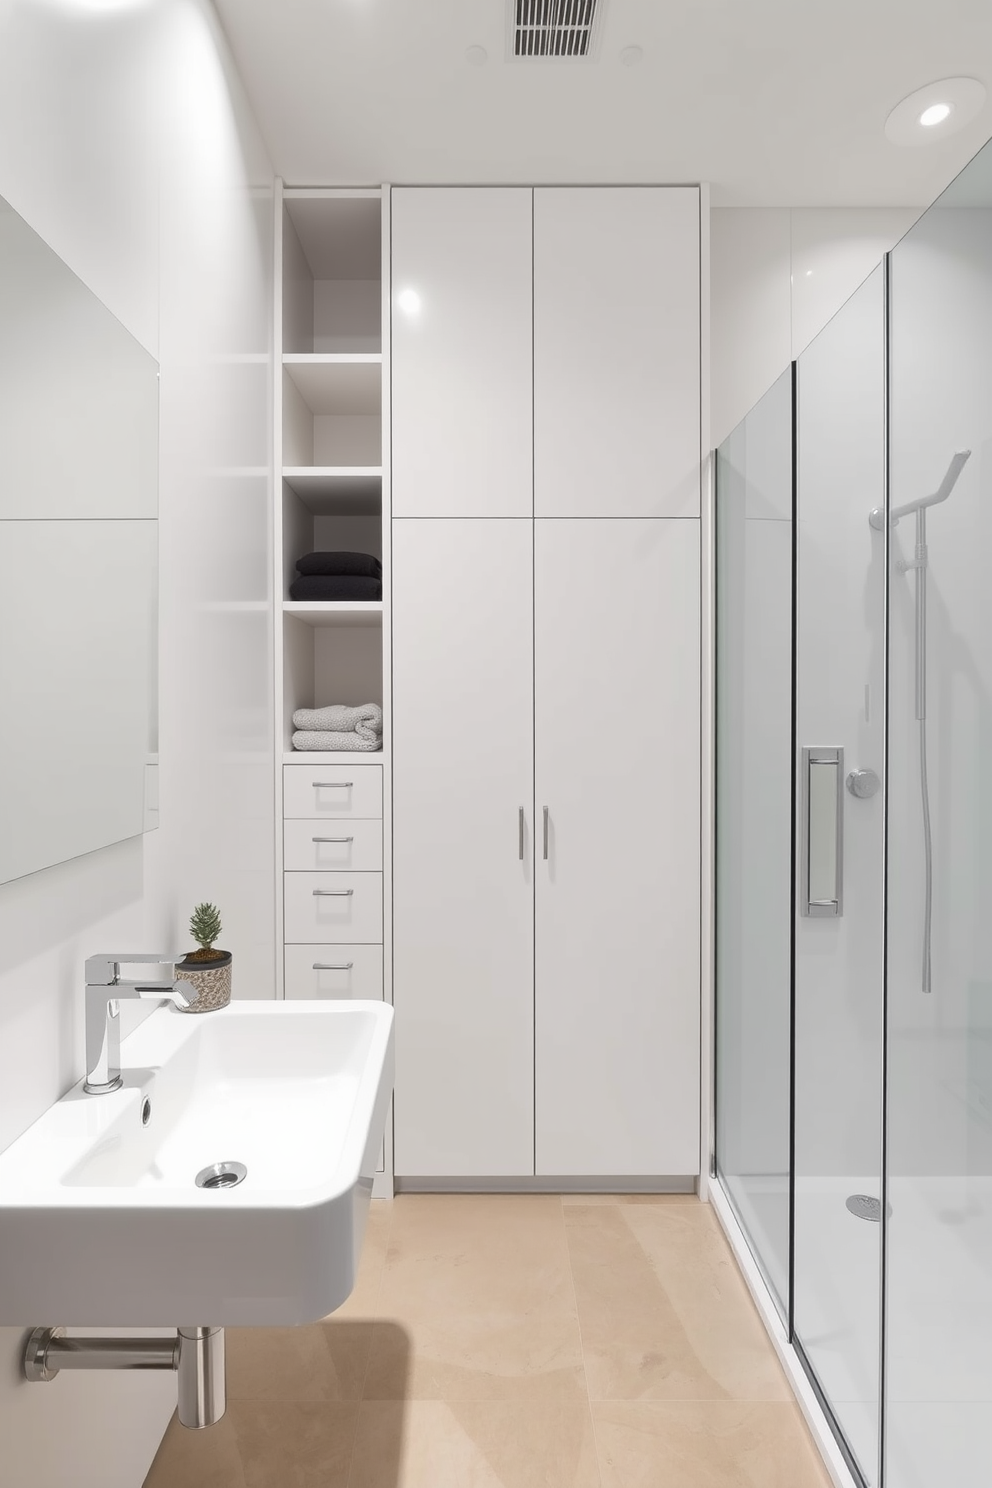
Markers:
point(840, 588)
point(939, 947)
point(754, 809)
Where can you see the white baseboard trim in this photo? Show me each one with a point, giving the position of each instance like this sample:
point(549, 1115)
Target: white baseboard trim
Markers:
point(819, 1427)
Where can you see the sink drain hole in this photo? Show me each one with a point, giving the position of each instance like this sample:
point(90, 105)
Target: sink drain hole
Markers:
point(221, 1175)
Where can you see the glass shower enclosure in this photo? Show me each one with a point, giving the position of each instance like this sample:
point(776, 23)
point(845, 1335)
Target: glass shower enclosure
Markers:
point(854, 852)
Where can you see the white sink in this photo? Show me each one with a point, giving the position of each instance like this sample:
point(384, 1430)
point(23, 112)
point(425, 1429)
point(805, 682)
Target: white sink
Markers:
point(101, 1221)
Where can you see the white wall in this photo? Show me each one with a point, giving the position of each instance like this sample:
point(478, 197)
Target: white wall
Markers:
point(126, 143)
point(777, 276)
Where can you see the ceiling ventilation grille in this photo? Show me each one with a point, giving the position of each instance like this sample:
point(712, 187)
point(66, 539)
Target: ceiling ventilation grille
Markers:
point(563, 30)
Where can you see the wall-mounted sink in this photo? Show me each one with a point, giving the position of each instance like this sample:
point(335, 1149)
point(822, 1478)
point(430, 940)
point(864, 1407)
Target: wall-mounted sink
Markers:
point(101, 1219)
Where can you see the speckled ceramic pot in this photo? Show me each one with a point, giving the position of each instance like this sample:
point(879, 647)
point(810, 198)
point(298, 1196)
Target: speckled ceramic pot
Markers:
point(212, 980)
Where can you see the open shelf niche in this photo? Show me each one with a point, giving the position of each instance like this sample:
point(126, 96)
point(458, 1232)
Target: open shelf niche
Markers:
point(332, 444)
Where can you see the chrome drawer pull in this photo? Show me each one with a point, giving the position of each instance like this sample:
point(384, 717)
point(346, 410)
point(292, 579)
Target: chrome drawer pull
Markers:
point(332, 839)
point(333, 965)
point(332, 784)
point(331, 893)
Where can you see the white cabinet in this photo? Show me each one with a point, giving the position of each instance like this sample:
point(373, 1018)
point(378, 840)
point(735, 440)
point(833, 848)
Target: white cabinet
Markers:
point(462, 851)
point(339, 970)
point(616, 351)
point(617, 896)
point(461, 352)
point(547, 1007)
point(333, 907)
point(336, 792)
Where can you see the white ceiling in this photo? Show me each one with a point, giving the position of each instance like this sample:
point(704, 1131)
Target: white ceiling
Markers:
point(772, 101)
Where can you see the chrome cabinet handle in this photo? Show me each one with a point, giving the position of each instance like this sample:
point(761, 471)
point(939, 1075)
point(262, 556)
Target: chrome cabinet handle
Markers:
point(331, 893)
point(332, 784)
point(333, 965)
point(520, 835)
point(332, 839)
point(545, 833)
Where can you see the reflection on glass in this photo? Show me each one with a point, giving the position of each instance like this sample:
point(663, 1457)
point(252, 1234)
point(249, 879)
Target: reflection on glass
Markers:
point(754, 785)
point(939, 1105)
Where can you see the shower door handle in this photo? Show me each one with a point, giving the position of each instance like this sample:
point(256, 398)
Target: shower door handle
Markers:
point(821, 834)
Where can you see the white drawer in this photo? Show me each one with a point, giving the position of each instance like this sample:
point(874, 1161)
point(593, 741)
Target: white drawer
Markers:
point(312, 846)
point(345, 971)
point(333, 908)
point(332, 790)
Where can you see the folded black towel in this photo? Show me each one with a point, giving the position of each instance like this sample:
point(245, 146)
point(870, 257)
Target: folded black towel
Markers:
point(340, 564)
point(335, 586)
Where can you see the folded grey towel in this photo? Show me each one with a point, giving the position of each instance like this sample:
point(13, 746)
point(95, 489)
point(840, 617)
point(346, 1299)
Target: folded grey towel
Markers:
point(365, 721)
point(328, 739)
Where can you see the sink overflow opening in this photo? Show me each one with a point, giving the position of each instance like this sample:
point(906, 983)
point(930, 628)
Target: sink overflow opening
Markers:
point(221, 1175)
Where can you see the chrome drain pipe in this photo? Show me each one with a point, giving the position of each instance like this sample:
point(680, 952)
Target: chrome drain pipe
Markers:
point(195, 1354)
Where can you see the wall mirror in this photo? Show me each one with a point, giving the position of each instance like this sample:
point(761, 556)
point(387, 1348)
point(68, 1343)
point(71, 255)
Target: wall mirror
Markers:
point(78, 564)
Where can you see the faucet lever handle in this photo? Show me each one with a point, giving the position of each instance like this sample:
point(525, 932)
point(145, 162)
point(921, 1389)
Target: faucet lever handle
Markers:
point(104, 971)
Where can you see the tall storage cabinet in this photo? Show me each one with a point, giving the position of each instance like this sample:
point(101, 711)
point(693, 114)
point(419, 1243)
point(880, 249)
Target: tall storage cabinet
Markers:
point(546, 655)
point(617, 876)
point(464, 916)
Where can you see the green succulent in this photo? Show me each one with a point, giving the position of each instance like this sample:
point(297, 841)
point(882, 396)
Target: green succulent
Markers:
point(204, 925)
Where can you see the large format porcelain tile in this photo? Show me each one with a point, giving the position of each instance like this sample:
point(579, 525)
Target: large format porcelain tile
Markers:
point(474, 1444)
point(324, 1361)
point(663, 1309)
point(197, 1459)
point(289, 1445)
point(705, 1444)
point(480, 1286)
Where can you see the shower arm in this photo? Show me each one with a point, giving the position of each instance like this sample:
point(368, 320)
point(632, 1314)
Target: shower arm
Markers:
point(958, 461)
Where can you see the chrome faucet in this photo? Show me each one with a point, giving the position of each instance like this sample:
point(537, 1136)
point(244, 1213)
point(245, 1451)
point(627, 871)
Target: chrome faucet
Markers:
point(104, 993)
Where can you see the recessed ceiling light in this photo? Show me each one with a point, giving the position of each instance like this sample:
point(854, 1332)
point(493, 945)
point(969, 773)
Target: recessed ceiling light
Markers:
point(476, 56)
point(933, 112)
point(408, 301)
point(631, 55)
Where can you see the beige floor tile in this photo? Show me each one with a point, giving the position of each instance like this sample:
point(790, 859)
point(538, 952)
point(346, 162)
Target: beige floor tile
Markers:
point(290, 1445)
point(474, 1444)
point(705, 1444)
point(323, 1361)
point(365, 1295)
point(663, 1310)
point(197, 1459)
point(585, 1201)
point(478, 1293)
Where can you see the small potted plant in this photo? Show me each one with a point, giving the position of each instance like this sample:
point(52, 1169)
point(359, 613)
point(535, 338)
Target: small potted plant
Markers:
point(208, 970)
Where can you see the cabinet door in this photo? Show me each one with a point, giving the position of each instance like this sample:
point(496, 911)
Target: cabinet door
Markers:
point(617, 923)
point(616, 351)
point(462, 876)
point(462, 352)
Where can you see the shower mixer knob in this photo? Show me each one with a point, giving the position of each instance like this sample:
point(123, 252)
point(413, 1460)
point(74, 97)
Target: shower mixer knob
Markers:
point(863, 783)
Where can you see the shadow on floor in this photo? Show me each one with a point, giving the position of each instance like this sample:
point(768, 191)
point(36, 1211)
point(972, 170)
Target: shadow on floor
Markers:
point(294, 1412)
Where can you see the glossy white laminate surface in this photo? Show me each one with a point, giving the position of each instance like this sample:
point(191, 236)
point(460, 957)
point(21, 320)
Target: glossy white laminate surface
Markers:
point(462, 877)
point(617, 911)
point(616, 351)
point(101, 1219)
point(339, 791)
point(332, 907)
point(340, 970)
point(461, 352)
point(314, 846)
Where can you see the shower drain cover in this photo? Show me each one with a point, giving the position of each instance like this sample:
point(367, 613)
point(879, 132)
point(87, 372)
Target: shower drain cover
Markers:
point(221, 1175)
point(863, 1206)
